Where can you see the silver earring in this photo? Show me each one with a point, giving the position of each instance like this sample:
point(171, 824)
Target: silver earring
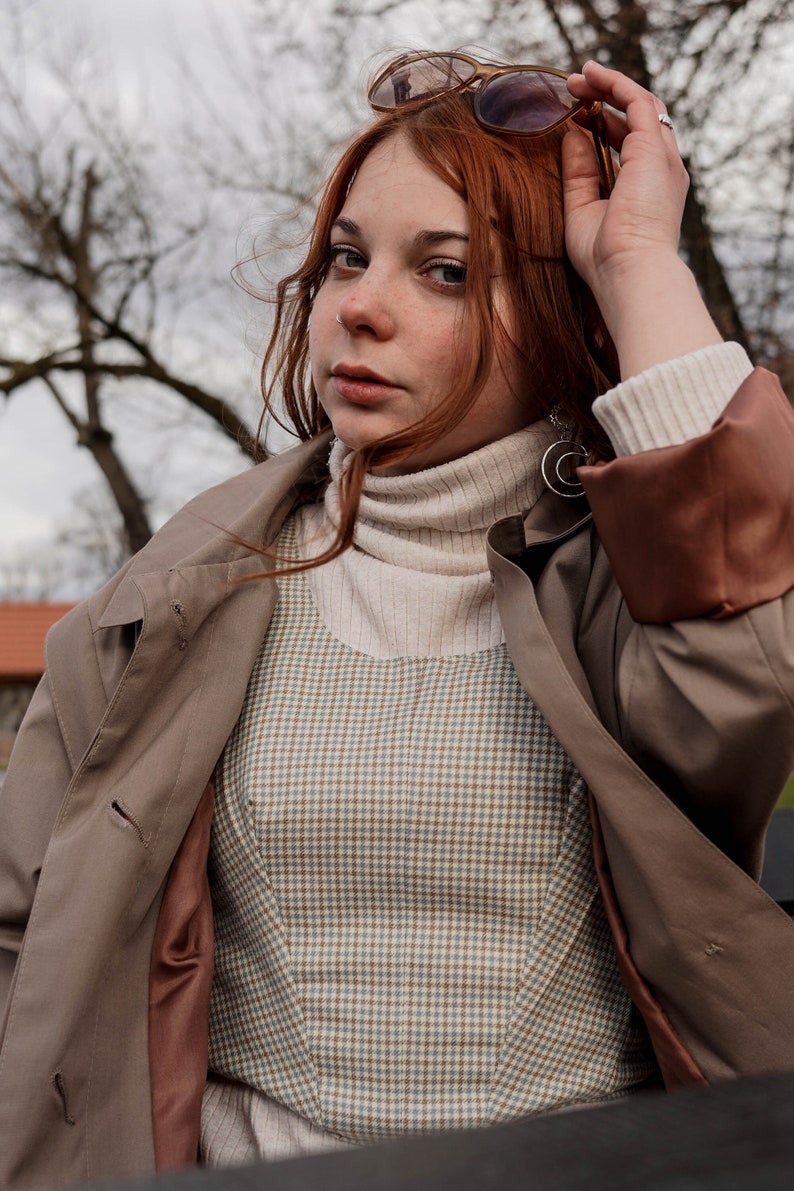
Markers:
point(560, 460)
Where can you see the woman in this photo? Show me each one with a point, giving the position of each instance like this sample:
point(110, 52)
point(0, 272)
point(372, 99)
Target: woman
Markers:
point(416, 926)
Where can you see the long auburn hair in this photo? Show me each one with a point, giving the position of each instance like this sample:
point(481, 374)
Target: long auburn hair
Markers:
point(513, 192)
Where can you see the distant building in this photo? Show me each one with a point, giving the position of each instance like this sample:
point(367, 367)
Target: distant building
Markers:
point(23, 627)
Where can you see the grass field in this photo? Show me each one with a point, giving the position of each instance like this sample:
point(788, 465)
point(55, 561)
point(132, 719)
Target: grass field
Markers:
point(787, 797)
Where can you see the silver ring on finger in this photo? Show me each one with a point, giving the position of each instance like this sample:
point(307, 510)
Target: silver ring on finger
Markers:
point(665, 119)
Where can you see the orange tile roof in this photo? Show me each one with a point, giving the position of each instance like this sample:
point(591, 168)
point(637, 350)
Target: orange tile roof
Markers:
point(23, 627)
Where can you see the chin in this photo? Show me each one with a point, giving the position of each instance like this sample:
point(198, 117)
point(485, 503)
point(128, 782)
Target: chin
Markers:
point(352, 440)
point(355, 436)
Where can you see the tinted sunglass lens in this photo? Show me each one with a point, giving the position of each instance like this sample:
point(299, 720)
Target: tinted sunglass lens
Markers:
point(422, 80)
point(525, 101)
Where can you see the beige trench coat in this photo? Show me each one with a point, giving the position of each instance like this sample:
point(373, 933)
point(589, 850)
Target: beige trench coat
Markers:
point(672, 694)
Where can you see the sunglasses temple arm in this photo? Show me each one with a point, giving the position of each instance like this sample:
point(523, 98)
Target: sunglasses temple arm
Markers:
point(606, 166)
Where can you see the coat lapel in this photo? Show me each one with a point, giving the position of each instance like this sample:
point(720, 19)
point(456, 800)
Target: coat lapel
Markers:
point(683, 900)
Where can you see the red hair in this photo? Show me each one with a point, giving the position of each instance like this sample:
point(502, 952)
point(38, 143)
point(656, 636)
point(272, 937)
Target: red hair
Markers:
point(513, 192)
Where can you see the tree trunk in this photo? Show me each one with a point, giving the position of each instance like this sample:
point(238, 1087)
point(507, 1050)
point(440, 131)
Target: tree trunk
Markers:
point(99, 442)
point(91, 432)
point(698, 242)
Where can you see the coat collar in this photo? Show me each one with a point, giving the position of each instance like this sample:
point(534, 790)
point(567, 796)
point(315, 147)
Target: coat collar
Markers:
point(528, 541)
point(225, 525)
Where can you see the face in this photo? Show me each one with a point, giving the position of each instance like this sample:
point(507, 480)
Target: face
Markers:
point(396, 280)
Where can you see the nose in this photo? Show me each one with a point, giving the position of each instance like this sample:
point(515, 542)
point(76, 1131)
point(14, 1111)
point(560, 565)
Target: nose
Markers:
point(366, 309)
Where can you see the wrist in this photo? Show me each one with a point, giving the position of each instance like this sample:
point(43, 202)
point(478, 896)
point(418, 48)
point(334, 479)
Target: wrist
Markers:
point(654, 312)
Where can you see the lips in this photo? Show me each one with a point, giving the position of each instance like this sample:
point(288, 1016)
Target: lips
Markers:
point(360, 385)
point(358, 372)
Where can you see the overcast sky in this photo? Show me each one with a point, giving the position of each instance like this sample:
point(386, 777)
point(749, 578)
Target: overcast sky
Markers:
point(41, 470)
point(137, 37)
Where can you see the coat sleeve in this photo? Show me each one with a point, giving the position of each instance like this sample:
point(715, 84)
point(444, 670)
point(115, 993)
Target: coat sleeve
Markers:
point(700, 538)
point(38, 776)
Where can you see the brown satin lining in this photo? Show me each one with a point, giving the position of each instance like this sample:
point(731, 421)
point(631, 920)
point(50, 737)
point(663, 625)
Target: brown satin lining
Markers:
point(677, 1066)
point(179, 992)
point(705, 528)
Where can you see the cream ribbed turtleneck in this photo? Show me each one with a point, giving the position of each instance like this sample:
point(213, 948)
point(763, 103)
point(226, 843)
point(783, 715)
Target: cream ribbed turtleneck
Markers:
point(416, 582)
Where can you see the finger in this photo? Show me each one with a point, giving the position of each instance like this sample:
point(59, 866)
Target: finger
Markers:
point(617, 128)
point(641, 107)
point(580, 180)
point(669, 128)
point(637, 110)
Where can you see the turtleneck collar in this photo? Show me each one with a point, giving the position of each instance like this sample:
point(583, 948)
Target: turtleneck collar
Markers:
point(416, 583)
point(435, 521)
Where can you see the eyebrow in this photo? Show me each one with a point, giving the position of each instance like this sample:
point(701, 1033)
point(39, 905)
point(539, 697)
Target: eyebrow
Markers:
point(422, 239)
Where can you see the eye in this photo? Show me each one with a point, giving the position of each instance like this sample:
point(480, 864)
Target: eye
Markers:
point(344, 256)
point(446, 274)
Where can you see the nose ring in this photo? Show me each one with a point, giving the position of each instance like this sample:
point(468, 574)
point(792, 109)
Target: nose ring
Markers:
point(339, 319)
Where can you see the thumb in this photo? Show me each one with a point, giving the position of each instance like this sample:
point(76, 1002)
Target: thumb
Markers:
point(580, 185)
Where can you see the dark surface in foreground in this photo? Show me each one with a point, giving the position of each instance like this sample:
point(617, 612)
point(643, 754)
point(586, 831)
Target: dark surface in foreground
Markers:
point(738, 1136)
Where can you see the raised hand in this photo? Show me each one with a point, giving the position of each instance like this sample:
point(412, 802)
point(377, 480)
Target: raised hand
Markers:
point(626, 247)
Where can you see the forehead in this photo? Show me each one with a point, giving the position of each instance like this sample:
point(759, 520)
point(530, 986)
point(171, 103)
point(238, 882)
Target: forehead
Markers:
point(395, 184)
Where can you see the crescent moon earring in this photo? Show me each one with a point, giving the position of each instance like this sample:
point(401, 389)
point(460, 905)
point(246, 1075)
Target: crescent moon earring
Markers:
point(560, 460)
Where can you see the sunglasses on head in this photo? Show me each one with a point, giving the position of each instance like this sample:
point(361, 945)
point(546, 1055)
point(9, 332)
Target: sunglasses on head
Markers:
point(522, 100)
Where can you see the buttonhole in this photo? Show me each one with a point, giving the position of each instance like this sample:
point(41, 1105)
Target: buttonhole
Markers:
point(60, 1087)
point(178, 610)
point(128, 820)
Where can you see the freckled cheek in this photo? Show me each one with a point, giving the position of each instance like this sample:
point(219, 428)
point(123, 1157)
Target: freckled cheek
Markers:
point(449, 358)
point(322, 328)
point(440, 342)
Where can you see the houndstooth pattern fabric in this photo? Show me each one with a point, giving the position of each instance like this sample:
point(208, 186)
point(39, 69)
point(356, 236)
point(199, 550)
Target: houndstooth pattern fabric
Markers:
point(408, 928)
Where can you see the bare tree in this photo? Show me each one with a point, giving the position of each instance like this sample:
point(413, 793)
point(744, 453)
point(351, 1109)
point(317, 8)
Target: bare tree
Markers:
point(105, 256)
point(685, 50)
point(98, 264)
